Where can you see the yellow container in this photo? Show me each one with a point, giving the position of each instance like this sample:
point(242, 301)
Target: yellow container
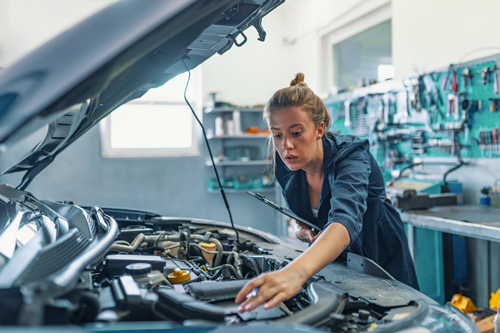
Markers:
point(463, 303)
point(209, 257)
point(495, 300)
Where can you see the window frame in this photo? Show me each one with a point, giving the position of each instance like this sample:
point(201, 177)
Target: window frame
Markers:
point(107, 151)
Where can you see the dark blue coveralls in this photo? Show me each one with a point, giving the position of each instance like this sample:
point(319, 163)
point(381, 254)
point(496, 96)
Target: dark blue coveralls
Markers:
point(353, 194)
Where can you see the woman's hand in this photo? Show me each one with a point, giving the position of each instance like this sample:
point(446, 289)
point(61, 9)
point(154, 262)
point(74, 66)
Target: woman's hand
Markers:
point(285, 283)
point(304, 234)
point(279, 285)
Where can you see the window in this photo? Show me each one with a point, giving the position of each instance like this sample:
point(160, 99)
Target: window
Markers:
point(364, 57)
point(159, 124)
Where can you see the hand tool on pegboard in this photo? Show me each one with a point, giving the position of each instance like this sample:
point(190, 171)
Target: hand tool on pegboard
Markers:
point(484, 74)
point(445, 82)
point(495, 139)
point(467, 77)
point(493, 105)
point(495, 78)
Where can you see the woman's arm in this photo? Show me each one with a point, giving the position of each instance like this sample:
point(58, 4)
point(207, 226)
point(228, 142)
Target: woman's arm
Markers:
point(285, 283)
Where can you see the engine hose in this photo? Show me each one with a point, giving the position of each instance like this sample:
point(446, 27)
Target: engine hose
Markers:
point(220, 249)
point(219, 272)
point(129, 248)
point(89, 307)
point(252, 262)
point(162, 237)
point(201, 273)
point(216, 275)
point(237, 261)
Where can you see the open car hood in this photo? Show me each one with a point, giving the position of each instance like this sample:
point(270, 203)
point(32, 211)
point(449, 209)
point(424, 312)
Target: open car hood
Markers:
point(114, 56)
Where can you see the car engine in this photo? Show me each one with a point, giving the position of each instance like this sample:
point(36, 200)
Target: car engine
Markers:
point(65, 264)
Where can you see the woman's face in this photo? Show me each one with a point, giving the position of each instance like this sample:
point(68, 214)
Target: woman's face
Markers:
point(296, 138)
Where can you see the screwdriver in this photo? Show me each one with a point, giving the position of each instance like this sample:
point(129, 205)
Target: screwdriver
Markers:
point(495, 139)
point(495, 78)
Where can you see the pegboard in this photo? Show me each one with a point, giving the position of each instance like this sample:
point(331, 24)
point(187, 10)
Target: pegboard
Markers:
point(435, 114)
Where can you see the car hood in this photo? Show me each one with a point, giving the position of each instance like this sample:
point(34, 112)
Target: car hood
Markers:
point(114, 56)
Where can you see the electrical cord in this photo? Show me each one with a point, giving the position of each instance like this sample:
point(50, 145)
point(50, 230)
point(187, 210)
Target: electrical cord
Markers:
point(476, 50)
point(460, 160)
point(209, 151)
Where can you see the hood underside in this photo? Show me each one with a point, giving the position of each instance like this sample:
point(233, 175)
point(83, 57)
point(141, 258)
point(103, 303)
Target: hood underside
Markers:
point(116, 55)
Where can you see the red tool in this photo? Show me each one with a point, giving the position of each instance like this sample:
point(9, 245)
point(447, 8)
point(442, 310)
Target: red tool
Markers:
point(495, 135)
point(454, 79)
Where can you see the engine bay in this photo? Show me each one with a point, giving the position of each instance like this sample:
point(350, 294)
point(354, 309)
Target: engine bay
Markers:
point(87, 265)
point(178, 272)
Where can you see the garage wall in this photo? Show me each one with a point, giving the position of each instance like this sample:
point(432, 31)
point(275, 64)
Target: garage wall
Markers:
point(430, 34)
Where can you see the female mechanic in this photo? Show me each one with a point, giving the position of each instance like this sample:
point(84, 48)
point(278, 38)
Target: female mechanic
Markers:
point(333, 181)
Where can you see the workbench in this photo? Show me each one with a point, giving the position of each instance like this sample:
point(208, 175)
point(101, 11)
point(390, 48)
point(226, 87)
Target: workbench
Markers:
point(481, 225)
point(470, 221)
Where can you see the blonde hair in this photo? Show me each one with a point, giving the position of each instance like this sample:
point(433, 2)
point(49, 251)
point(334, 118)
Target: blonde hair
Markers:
point(297, 95)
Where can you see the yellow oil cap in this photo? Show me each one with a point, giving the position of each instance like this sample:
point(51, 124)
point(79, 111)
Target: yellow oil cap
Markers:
point(208, 246)
point(178, 276)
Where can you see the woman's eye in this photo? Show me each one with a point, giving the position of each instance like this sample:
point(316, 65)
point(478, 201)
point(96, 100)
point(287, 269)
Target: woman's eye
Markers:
point(277, 136)
point(296, 133)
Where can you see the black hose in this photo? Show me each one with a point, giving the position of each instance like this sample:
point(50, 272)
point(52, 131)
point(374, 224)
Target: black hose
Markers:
point(252, 262)
point(219, 272)
point(462, 163)
point(406, 168)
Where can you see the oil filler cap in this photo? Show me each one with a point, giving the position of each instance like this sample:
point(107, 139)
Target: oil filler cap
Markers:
point(140, 268)
point(178, 276)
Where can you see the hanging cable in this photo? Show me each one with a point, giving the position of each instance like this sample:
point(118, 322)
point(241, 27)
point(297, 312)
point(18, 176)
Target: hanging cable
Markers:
point(209, 151)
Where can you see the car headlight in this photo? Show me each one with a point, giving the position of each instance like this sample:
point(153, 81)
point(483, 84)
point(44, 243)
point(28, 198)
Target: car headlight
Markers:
point(448, 319)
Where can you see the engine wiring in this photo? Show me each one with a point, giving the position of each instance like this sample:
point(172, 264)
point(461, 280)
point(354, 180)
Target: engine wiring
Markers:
point(209, 151)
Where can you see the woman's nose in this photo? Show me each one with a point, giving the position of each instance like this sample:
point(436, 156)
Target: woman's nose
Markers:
point(287, 142)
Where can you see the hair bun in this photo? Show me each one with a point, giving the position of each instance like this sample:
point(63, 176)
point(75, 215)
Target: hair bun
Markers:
point(298, 81)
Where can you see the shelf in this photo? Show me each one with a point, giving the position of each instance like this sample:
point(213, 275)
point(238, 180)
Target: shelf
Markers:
point(246, 136)
point(255, 190)
point(239, 163)
point(211, 110)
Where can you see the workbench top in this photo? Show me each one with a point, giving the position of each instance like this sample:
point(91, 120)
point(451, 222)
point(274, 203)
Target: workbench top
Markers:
point(469, 220)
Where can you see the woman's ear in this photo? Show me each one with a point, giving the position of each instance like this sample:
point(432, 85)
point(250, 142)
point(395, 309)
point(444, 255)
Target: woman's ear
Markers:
point(320, 131)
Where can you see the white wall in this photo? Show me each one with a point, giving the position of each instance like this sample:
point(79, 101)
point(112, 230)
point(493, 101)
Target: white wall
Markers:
point(429, 34)
point(248, 75)
point(312, 27)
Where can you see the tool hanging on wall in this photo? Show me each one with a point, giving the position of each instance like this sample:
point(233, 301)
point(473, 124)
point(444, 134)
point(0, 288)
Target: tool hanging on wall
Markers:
point(495, 79)
point(452, 106)
point(484, 74)
point(381, 113)
point(493, 105)
point(467, 77)
point(445, 108)
point(454, 81)
point(451, 72)
point(347, 122)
